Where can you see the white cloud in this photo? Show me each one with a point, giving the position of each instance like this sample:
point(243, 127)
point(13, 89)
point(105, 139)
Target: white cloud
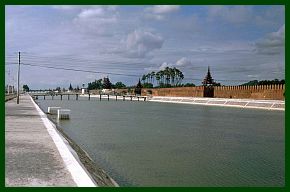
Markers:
point(272, 43)
point(183, 62)
point(154, 17)
point(163, 9)
point(81, 7)
point(89, 13)
point(97, 20)
point(233, 14)
point(164, 65)
point(66, 7)
point(158, 12)
point(140, 43)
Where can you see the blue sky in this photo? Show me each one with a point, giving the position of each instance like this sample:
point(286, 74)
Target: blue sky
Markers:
point(237, 42)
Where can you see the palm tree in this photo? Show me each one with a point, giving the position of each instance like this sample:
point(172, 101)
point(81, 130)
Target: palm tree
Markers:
point(172, 75)
point(157, 76)
point(162, 73)
point(176, 72)
point(152, 76)
point(167, 74)
point(180, 77)
point(143, 78)
point(147, 77)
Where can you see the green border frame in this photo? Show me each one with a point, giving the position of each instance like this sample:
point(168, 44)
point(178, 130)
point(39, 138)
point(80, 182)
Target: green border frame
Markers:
point(139, 2)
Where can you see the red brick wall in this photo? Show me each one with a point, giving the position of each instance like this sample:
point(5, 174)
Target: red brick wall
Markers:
point(176, 92)
point(242, 92)
point(239, 92)
point(252, 92)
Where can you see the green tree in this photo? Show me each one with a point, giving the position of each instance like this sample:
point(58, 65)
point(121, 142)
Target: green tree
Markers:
point(265, 82)
point(172, 75)
point(147, 85)
point(107, 84)
point(58, 89)
point(97, 84)
point(157, 76)
point(152, 76)
point(189, 85)
point(143, 78)
point(119, 85)
point(25, 88)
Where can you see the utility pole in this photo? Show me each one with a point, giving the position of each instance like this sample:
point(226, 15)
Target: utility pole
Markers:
point(18, 77)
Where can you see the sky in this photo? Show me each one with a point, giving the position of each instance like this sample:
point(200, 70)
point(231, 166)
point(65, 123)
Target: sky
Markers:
point(238, 43)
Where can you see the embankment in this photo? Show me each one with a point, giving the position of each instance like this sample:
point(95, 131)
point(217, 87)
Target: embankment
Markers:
point(264, 92)
point(100, 177)
point(242, 103)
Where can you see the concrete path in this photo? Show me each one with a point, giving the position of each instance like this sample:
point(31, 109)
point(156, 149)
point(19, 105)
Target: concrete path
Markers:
point(224, 102)
point(31, 156)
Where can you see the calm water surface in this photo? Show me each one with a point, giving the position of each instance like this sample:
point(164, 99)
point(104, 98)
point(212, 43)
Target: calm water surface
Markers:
point(162, 144)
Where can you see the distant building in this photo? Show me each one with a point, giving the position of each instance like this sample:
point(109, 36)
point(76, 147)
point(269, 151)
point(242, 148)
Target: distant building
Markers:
point(84, 91)
point(208, 80)
point(70, 89)
point(208, 83)
point(9, 89)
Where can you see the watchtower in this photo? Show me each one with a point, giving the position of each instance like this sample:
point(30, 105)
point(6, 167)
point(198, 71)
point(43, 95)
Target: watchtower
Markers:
point(138, 88)
point(208, 83)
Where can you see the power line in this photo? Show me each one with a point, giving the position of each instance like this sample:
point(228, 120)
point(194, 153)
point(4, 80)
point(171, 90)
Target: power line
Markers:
point(80, 70)
point(33, 60)
point(85, 67)
point(89, 71)
point(70, 58)
point(135, 65)
point(11, 63)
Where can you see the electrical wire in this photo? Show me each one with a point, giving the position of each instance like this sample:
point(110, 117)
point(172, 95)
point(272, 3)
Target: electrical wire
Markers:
point(33, 60)
point(80, 70)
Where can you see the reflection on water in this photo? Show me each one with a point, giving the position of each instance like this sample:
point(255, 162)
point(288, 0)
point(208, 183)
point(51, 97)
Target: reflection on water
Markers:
point(158, 144)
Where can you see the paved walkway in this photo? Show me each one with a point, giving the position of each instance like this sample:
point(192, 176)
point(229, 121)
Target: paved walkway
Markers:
point(225, 102)
point(31, 156)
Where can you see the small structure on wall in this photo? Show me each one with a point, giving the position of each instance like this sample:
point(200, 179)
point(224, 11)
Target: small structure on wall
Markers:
point(208, 83)
point(208, 80)
point(138, 88)
point(85, 91)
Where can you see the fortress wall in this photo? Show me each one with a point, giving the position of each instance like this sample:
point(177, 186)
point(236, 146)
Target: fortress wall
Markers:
point(274, 92)
point(251, 92)
point(176, 92)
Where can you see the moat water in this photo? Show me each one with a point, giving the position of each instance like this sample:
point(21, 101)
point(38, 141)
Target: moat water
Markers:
point(165, 144)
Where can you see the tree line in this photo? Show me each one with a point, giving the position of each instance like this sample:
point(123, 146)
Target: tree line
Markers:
point(265, 82)
point(105, 84)
point(169, 77)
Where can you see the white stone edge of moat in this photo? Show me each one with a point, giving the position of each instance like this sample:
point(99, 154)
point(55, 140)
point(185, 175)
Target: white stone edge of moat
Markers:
point(79, 174)
point(112, 97)
point(160, 99)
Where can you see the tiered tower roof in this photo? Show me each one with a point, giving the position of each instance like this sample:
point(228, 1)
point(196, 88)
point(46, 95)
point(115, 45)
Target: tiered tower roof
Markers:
point(208, 80)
